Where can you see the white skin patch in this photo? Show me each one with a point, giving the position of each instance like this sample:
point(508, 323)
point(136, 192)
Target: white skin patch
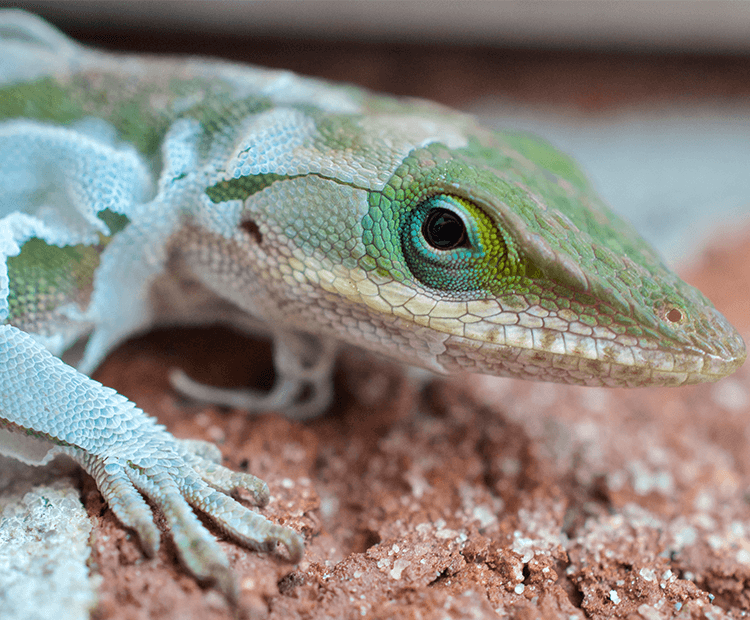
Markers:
point(286, 141)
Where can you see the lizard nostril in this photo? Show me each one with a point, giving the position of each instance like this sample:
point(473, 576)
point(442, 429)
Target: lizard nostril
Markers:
point(674, 315)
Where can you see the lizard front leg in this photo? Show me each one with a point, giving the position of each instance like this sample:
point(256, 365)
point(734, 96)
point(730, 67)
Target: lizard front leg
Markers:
point(48, 408)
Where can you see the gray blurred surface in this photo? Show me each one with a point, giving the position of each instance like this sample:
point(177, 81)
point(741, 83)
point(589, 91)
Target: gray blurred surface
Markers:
point(705, 26)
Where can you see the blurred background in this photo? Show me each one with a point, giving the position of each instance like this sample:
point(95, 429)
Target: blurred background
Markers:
point(652, 97)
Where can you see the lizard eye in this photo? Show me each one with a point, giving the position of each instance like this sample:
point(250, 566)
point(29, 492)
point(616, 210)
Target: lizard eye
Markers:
point(452, 244)
point(444, 230)
point(445, 241)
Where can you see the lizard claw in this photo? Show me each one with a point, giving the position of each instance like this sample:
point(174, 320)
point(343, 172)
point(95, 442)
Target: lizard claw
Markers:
point(205, 458)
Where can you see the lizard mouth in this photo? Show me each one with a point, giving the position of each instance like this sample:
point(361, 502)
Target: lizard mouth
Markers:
point(535, 352)
point(561, 339)
point(727, 348)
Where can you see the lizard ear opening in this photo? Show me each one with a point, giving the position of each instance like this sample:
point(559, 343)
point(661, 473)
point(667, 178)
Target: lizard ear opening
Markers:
point(251, 228)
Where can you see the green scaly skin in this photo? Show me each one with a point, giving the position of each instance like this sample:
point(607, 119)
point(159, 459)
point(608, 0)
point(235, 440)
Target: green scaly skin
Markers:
point(139, 191)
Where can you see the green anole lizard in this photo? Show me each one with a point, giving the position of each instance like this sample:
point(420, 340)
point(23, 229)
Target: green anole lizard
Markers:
point(138, 191)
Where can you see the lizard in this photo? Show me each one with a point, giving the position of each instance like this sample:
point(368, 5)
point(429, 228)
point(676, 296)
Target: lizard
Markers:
point(139, 191)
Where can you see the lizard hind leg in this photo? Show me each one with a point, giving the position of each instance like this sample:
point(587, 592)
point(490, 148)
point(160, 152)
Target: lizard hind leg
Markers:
point(303, 387)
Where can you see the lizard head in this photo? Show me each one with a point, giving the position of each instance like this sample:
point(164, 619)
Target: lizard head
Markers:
point(532, 275)
point(473, 250)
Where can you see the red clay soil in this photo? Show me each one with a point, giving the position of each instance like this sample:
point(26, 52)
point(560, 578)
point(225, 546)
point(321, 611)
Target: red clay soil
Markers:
point(474, 497)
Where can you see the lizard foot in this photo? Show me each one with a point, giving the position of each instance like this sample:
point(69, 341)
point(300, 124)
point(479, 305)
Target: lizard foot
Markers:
point(176, 475)
point(303, 387)
point(286, 395)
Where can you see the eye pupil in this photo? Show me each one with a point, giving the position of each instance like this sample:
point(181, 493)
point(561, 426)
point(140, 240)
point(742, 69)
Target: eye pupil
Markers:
point(444, 230)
